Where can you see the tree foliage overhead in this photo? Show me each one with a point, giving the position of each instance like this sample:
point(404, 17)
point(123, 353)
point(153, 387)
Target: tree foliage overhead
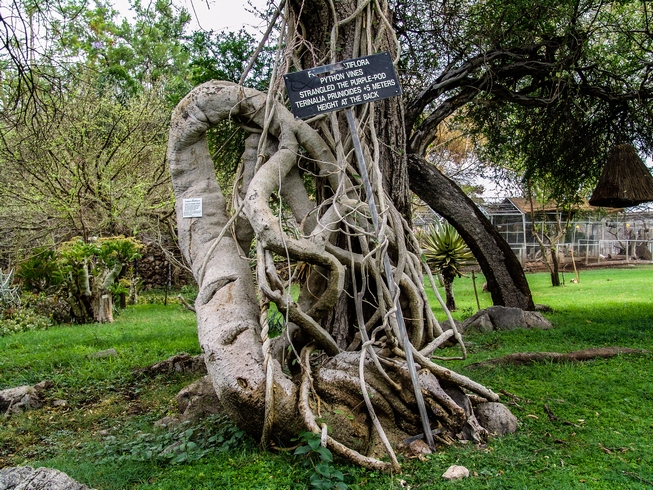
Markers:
point(85, 100)
point(92, 165)
point(52, 41)
point(549, 86)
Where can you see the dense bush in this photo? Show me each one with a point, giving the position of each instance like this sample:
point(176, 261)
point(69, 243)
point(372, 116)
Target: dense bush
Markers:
point(40, 272)
point(49, 306)
point(22, 319)
point(78, 281)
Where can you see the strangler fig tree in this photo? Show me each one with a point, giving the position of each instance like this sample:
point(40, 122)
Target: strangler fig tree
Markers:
point(339, 366)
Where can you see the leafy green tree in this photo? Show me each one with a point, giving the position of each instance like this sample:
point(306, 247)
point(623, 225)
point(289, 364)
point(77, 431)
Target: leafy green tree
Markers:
point(92, 164)
point(90, 271)
point(85, 274)
point(129, 55)
point(47, 44)
point(569, 80)
point(224, 56)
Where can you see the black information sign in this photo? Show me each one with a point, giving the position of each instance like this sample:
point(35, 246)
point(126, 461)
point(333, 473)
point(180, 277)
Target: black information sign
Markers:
point(344, 84)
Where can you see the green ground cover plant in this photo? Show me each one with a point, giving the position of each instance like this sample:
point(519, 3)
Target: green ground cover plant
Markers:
point(584, 425)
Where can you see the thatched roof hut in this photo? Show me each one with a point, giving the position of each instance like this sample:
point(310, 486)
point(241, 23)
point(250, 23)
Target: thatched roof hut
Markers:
point(625, 180)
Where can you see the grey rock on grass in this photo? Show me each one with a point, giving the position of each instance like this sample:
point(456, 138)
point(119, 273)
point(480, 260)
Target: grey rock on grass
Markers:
point(28, 478)
point(456, 473)
point(496, 418)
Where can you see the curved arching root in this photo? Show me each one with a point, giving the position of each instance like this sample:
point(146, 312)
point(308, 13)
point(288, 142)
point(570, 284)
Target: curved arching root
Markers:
point(352, 374)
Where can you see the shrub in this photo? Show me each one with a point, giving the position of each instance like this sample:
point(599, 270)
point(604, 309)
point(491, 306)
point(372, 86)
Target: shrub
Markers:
point(22, 320)
point(84, 274)
point(50, 306)
point(40, 272)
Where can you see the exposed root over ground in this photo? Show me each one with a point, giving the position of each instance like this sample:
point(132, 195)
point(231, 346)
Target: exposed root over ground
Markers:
point(523, 358)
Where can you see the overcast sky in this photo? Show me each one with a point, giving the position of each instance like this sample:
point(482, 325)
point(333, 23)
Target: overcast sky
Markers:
point(213, 14)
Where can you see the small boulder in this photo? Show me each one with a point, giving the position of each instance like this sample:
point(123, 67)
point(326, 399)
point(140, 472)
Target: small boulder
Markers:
point(496, 418)
point(506, 318)
point(198, 400)
point(180, 363)
point(535, 319)
point(28, 478)
point(446, 325)
point(479, 323)
point(20, 399)
point(456, 473)
point(23, 398)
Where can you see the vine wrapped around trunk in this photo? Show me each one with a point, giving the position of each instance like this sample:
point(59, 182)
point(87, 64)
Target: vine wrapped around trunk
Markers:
point(339, 361)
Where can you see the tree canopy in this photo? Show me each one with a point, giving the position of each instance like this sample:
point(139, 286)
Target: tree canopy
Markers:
point(548, 87)
point(85, 101)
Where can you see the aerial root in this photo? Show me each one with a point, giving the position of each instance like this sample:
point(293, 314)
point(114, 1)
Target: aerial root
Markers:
point(271, 181)
point(337, 447)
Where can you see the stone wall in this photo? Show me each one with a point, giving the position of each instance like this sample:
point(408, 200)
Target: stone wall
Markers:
point(155, 270)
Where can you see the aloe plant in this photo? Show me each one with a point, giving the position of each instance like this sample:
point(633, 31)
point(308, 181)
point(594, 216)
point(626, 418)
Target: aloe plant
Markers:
point(446, 253)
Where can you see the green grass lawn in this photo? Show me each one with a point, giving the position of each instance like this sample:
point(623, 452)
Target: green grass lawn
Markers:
point(602, 439)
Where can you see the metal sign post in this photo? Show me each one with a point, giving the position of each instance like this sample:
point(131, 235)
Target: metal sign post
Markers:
point(342, 86)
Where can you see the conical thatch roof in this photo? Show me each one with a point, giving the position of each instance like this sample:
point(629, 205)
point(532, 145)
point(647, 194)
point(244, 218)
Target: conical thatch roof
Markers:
point(625, 180)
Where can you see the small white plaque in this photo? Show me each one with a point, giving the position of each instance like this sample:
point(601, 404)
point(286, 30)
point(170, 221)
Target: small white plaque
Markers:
point(193, 207)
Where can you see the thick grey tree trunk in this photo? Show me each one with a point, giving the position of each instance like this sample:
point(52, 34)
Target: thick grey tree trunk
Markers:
point(227, 306)
point(258, 389)
point(503, 272)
